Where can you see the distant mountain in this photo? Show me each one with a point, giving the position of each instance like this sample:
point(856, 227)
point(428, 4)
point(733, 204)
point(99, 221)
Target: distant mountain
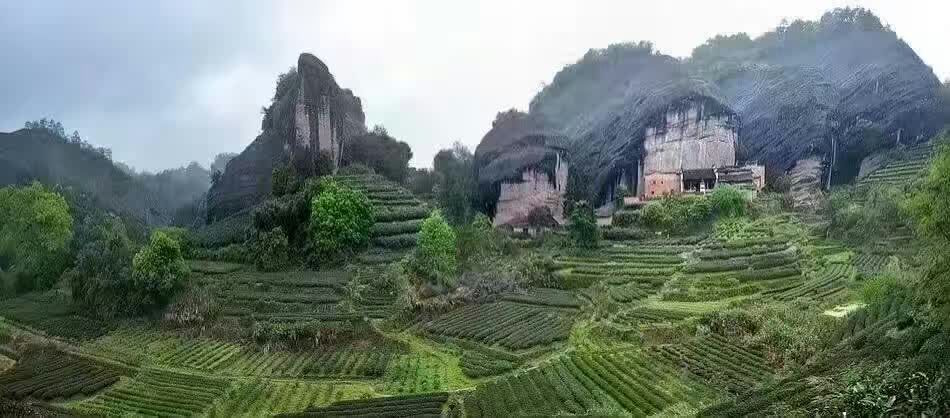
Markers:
point(50, 158)
point(40, 155)
point(844, 79)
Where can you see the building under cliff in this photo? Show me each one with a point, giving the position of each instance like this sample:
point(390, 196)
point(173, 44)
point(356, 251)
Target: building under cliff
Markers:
point(305, 126)
point(686, 146)
point(522, 168)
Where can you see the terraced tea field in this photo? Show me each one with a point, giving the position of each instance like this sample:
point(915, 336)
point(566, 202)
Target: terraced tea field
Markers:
point(728, 269)
point(399, 214)
point(419, 405)
point(261, 397)
point(284, 296)
point(48, 374)
point(718, 362)
point(157, 392)
point(826, 283)
point(632, 272)
point(902, 171)
point(582, 383)
point(511, 325)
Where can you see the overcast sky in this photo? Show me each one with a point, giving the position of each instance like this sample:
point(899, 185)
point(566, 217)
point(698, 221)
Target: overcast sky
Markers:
point(165, 83)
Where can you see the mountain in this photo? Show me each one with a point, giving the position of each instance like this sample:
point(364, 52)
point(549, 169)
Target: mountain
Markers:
point(806, 90)
point(308, 121)
point(40, 155)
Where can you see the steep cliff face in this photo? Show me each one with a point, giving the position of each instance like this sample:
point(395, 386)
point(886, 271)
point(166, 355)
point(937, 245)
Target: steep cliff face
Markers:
point(815, 84)
point(798, 92)
point(306, 125)
point(518, 143)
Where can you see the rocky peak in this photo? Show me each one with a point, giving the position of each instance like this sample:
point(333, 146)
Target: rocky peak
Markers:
point(308, 121)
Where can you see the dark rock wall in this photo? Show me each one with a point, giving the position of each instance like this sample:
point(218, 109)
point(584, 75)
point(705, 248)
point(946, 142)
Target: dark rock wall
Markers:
point(309, 113)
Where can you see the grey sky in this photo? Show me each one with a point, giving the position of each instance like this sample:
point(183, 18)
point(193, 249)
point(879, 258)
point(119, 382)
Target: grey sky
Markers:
point(165, 83)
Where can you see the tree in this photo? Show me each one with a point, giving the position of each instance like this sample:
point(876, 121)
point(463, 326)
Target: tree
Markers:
point(381, 152)
point(340, 220)
point(583, 226)
point(421, 182)
point(435, 256)
point(158, 271)
point(272, 251)
point(35, 230)
point(102, 277)
point(455, 188)
point(283, 181)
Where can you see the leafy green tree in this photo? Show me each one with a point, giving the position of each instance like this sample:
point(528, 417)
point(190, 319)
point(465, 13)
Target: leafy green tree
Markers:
point(729, 201)
point(272, 251)
point(435, 257)
point(283, 181)
point(378, 150)
point(340, 220)
point(102, 277)
point(35, 231)
point(158, 271)
point(583, 227)
point(455, 188)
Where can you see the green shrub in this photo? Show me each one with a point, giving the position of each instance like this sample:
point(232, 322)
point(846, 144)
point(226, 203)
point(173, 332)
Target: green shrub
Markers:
point(583, 227)
point(435, 256)
point(101, 279)
point(340, 220)
point(158, 271)
point(272, 251)
point(476, 240)
point(283, 181)
point(676, 214)
point(184, 237)
point(626, 218)
point(729, 201)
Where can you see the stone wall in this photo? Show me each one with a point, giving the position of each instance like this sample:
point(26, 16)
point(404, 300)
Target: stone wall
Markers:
point(536, 189)
point(688, 141)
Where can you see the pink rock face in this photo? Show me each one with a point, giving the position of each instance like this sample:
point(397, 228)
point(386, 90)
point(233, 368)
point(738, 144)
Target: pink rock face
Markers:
point(535, 189)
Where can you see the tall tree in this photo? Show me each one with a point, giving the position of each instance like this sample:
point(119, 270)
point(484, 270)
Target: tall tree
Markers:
point(455, 188)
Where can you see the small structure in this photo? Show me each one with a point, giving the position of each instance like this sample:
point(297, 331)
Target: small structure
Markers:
point(689, 148)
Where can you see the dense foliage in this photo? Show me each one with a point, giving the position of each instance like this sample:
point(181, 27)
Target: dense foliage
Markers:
point(340, 220)
point(455, 188)
point(271, 250)
point(930, 208)
point(729, 201)
point(435, 258)
point(102, 278)
point(35, 231)
point(676, 214)
point(583, 226)
point(158, 271)
point(381, 152)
